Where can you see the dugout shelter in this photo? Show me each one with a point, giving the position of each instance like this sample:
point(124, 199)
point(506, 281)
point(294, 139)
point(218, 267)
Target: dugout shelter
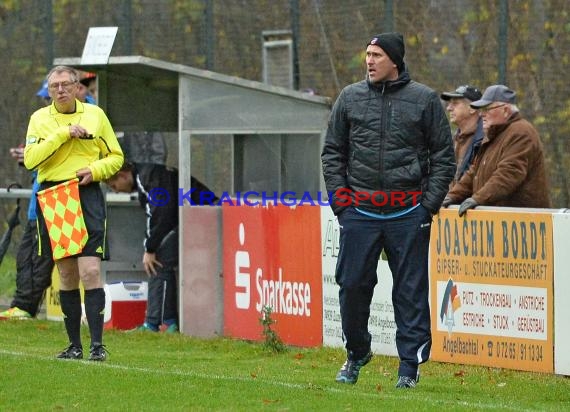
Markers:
point(233, 134)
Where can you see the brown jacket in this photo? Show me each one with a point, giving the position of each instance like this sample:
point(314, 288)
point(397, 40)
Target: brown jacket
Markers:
point(509, 169)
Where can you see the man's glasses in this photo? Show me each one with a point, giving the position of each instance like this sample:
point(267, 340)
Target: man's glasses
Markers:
point(63, 85)
point(486, 109)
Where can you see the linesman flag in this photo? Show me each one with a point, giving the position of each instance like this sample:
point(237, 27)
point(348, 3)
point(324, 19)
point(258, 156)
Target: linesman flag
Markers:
point(62, 213)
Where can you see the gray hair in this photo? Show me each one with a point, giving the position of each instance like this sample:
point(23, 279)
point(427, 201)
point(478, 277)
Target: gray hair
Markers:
point(73, 74)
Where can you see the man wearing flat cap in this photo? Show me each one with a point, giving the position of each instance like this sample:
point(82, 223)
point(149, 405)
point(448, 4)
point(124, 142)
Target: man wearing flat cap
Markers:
point(469, 133)
point(386, 135)
point(510, 168)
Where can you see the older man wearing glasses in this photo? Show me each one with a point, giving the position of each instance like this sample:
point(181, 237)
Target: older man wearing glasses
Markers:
point(70, 140)
point(509, 169)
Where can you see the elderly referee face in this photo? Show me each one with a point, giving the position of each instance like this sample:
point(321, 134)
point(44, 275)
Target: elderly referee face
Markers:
point(62, 88)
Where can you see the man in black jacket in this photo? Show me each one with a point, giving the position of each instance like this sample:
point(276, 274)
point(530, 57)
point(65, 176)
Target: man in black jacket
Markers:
point(157, 187)
point(388, 160)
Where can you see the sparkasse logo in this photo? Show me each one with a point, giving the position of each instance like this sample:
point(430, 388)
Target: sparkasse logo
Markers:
point(282, 295)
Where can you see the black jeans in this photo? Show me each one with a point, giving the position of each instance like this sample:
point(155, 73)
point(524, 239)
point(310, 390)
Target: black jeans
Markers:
point(162, 301)
point(406, 242)
point(33, 272)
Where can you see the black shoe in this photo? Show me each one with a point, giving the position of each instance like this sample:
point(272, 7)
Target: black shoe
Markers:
point(71, 352)
point(406, 382)
point(351, 368)
point(98, 352)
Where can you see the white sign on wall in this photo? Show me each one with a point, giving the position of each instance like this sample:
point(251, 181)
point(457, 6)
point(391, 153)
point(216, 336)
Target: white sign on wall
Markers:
point(98, 45)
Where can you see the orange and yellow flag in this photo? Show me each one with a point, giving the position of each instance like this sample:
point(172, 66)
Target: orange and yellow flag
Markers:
point(61, 208)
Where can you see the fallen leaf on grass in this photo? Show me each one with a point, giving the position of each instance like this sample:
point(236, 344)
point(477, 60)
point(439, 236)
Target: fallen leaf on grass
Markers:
point(313, 386)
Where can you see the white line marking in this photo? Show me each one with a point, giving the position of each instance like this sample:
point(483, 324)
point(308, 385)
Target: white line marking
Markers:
point(345, 389)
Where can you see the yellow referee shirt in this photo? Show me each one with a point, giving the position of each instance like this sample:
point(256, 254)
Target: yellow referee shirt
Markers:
point(57, 156)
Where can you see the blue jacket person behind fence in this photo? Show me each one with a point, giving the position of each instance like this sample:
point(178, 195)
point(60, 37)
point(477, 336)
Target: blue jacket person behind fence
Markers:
point(469, 134)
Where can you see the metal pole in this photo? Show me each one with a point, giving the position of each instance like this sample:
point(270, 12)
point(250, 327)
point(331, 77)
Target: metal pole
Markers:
point(209, 34)
point(48, 24)
point(503, 40)
point(294, 5)
point(128, 23)
point(388, 16)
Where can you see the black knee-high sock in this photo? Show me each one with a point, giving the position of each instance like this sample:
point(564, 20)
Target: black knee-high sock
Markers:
point(95, 311)
point(70, 301)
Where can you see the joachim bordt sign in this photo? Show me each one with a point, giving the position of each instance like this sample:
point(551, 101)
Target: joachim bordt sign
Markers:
point(491, 282)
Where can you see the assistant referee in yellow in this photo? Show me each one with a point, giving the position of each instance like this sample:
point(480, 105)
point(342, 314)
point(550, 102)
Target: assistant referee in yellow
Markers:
point(65, 140)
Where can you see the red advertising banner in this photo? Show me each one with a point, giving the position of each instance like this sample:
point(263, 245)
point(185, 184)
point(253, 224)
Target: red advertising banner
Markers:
point(272, 258)
point(492, 289)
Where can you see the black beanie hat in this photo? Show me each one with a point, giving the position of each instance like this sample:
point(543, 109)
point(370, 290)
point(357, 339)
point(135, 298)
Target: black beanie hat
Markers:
point(393, 45)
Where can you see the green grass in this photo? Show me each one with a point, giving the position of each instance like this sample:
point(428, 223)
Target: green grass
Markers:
point(147, 372)
point(7, 276)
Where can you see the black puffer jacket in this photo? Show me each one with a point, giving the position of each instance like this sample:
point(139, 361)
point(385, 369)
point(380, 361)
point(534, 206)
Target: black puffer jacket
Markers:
point(154, 181)
point(392, 137)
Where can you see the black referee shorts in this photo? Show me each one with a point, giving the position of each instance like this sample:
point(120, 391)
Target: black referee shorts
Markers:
point(95, 216)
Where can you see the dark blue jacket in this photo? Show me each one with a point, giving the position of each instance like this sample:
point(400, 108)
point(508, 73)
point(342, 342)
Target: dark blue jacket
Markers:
point(471, 150)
